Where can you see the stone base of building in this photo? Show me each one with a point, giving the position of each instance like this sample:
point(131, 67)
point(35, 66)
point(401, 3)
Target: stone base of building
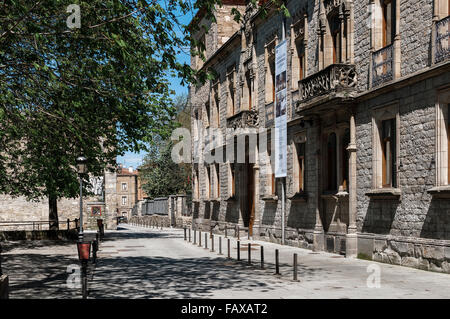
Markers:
point(425, 254)
point(4, 287)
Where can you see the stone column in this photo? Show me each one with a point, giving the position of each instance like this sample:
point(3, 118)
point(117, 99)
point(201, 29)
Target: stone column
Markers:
point(351, 238)
point(318, 234)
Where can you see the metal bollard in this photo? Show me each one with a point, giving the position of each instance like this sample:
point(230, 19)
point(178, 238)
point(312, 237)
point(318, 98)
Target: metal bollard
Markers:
point(295, 267)
point(277, 265)
point(199, 238)
point(238, 233)
point(212, 243)
point(189, 235)
point(220, 245)
point(229, 255)
point(226, 231)
point(195, 237)
point(238, 250)
point(68, 223)
point(94, 251)
point(206, 241)
point(185, 236)
point(262, 257)
point(249, 253)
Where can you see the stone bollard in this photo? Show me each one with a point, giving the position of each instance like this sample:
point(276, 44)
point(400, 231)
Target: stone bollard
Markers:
point(295, 267)
point(262, 257)
point(277, 265)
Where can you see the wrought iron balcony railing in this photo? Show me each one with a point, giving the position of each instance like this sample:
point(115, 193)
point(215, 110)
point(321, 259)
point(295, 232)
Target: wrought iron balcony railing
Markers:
point(244, 119)
point(383, 65)
point(442, 51)
point(334, 78)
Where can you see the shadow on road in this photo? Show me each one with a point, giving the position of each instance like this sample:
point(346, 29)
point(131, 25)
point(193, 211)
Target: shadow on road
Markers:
point(162, 277)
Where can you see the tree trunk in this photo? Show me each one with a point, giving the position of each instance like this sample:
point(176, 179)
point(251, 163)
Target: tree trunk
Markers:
point(53, 213)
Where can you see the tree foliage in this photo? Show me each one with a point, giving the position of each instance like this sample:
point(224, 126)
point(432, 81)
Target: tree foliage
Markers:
point(159, 175)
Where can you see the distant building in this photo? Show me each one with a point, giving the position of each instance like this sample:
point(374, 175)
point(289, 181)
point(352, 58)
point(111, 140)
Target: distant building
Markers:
point(127, 190)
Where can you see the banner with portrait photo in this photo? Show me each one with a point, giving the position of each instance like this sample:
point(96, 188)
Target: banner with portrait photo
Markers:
point(281, 109)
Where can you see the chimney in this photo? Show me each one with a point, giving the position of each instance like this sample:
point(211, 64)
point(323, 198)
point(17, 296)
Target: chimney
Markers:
point(130, 169)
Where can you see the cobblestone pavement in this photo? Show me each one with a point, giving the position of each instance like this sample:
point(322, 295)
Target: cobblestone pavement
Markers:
point(137, 262)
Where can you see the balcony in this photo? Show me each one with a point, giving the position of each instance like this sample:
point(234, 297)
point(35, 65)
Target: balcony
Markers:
point(244, 119)
point(334, 79)
point(383, 65)
point(442, 48)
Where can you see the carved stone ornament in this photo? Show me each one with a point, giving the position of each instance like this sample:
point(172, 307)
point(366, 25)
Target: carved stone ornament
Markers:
point(244, 119)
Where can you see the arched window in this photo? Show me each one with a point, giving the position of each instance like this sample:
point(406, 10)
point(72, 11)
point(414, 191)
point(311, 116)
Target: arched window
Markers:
point(331, 162)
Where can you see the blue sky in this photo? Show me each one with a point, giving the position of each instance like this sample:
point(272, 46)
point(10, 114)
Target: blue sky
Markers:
point(135, 159)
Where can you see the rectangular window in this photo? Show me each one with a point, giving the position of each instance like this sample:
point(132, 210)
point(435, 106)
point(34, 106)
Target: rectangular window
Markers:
point(388, 21)
point(217, 180)
point(301, 166)
point(389, 153)
point(231, 107)
point(124, 200)
point(124, 186)
point(208, 181)
point(207, 113)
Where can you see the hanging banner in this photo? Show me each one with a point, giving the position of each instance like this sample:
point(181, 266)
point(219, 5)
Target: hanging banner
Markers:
point(280, 105)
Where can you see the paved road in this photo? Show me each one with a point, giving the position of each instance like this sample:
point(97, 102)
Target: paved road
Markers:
point(136, 262)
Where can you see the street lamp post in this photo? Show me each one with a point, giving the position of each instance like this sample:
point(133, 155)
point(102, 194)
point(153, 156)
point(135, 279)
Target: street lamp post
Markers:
point(81, 169)
point(84, 252)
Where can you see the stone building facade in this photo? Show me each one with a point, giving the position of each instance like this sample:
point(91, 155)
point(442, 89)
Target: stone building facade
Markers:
point(368, 128)
point(127, 191)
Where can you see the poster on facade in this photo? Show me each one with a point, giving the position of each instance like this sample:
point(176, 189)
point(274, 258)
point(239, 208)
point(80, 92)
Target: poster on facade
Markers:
point(280, 109)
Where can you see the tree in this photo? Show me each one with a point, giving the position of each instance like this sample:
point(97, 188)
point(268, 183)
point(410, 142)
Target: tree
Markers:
point(159, 175)
point(94, 84)
point(99, 90)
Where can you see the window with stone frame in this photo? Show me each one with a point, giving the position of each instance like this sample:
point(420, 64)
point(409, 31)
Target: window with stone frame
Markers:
point(216, 180)
point(207, 113)
point(270, 70)
point(208, 182)
point(124, 200)
point(298, 44)
point(247, 91)
point(215, 98)
point(202, 51)
point(271, 181)
point(443, 139)
point(384, 21)
point(334, 43)
point(124, 186)
point(196, 185)
point(299, 157)
point(231, 90)
point(385, 122)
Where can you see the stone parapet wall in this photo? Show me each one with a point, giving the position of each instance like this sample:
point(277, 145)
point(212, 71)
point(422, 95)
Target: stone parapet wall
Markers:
point(160, 221)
